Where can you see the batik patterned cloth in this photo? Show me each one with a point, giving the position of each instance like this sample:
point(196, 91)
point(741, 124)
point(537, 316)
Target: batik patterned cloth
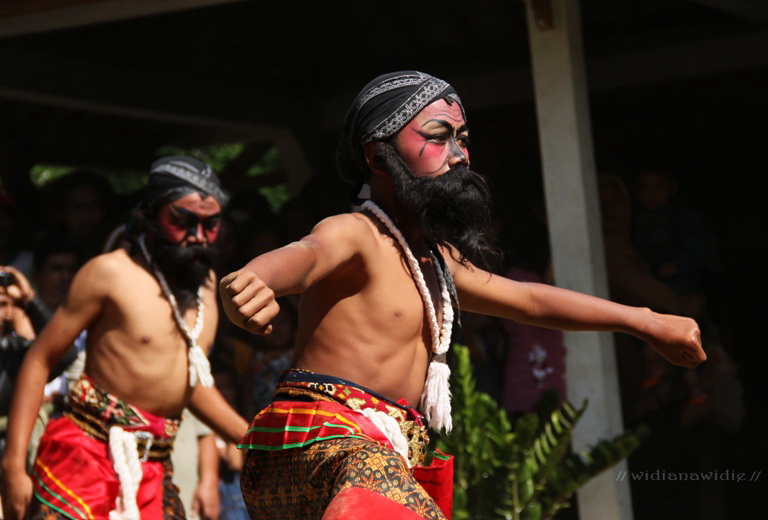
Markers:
point(73, 475)
point(313, 455)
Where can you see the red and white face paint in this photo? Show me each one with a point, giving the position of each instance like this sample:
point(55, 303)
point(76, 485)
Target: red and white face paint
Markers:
point(435, 140)
point(191, 219)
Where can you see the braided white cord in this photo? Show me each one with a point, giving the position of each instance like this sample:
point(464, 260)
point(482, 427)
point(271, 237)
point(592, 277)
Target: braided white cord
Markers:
point(391, 430)
point(125, 460)
point(435, 399)
point(199, 366)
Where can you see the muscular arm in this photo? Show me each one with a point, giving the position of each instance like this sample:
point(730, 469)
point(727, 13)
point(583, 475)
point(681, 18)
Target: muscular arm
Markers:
point(674, 337)
point(297, 266)
point(248, 295)
point(83, 304)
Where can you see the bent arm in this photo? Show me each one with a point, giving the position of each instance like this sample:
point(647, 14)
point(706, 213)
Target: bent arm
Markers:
point(81, 307)
point(248, 295)
point(297, 266)
point(209, 406)
point(674, 337)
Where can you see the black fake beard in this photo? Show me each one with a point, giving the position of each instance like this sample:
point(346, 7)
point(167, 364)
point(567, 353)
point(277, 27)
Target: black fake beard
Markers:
point(186, 268)
point(453, 208)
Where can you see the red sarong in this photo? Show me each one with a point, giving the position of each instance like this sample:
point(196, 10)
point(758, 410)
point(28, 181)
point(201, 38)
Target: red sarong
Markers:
point(73, 474)
point(311, 410)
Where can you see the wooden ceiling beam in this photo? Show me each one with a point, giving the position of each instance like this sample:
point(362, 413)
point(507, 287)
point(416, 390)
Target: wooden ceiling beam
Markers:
point(755, 10)
point(25, 19)
point(629, 69)
point(49, 79)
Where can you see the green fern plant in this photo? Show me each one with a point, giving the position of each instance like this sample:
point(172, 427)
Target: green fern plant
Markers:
point(520, 471)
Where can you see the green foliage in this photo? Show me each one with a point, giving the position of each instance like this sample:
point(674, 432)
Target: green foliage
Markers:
point(121, 181)
point(523, 470)
point(220, 155)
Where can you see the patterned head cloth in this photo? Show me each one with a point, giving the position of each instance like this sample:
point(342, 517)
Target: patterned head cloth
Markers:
point(381, 109)
point(171, 178)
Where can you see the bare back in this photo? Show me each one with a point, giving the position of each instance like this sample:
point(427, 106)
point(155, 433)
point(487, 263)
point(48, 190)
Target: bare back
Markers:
point(365, 321)
point(134, 347)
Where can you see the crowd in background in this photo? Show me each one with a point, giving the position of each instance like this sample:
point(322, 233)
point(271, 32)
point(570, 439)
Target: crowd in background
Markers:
point(659, 254)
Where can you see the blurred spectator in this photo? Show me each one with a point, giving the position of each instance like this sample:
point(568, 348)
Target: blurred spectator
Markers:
point(82, 199)
point(56, 260)
point(11, 250)
point(648, 382)
point(670, 235)
point(535, 363)
point(16, 334)
point(670, 400)
point(487, 343)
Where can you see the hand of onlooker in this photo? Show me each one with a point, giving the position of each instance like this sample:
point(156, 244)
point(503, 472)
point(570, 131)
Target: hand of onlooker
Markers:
point(22, 324)
point(207, 501)
point(17, 493)
point(248, 302)
point(676, 338)
point(20, 290)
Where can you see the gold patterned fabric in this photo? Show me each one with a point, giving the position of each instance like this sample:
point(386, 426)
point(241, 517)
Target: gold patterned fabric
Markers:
point(300, 483)
point(310, 445)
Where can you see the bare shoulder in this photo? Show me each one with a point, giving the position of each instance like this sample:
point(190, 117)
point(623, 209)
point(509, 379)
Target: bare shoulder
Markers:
point(452, 260)
point(343, 229)
point(106, 271)
point(345, 223)
point(109, 266)
point(464, 273)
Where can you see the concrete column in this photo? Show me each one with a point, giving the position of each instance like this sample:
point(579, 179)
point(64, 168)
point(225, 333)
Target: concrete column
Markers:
point(574, 224)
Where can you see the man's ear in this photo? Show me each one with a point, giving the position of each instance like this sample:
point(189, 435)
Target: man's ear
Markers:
point(371, 159)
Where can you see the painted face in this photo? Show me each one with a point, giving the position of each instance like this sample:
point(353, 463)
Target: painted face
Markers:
point(435, 140)
point(191, 219)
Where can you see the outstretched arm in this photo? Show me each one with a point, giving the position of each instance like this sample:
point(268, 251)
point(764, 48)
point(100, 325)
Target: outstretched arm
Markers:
point(676, 338)
point(248, 295)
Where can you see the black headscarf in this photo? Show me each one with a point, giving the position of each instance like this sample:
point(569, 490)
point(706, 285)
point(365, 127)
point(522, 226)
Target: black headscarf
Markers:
point(380, 110)
point(171, 178)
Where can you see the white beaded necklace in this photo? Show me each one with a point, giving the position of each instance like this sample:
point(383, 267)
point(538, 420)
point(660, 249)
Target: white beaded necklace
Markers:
point(199, 366)
point(435, 399)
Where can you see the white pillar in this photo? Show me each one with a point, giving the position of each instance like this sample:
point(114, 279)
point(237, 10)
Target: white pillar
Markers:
point(574, 224)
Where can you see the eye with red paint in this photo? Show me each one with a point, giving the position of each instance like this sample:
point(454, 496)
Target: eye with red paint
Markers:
point(435, 140)
point(195, 219)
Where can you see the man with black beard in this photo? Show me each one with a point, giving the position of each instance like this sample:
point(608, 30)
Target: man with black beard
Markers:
point(150, 313)
point(379, 289)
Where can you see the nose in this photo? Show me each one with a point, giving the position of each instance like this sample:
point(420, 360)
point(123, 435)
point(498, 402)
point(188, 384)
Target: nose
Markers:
point(457, 155)
point(195, 233)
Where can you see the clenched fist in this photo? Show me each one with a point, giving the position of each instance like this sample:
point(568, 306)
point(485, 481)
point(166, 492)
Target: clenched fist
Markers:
point(676, 338)
point(248, 302)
